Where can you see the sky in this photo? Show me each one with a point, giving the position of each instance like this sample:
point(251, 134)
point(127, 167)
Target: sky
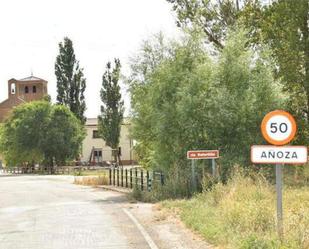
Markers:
point(100, 30)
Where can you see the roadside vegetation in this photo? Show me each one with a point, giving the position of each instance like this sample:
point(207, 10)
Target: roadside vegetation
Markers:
point(242, 213)
point(236, 61)
point(97, 172)
point(92, 180)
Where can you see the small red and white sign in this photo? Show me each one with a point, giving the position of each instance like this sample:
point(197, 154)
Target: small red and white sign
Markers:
point(203, 154)
point(269, 154)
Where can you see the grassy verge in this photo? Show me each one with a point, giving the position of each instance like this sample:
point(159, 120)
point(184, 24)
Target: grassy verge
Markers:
point(102, 172)
point(91, 180)
point(242, 214)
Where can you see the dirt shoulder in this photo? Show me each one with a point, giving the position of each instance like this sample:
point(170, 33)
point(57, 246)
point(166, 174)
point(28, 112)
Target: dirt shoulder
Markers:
point(165, 229)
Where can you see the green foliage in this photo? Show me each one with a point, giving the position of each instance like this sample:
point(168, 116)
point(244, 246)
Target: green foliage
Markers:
point(176, 185)
point(281, 24)
point(39, 132)
point(191, 101)
point(71, 83)
point(112, 109)
point(214, 17)
point(64, 135)
point(241, 214)
point(285, 28)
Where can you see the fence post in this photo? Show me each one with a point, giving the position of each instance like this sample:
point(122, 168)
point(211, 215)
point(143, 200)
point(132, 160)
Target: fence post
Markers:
point(142, 180)
point(121, 171)
point(114, 176)
point(126, 171)
point(110, 176)
point(131, 179)
point(136, 179)
point(118, 177)
point(161, 178)
point(148, 181)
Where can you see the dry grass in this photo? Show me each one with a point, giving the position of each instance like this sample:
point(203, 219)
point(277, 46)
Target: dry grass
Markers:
point(242, 214)
point(91, 180)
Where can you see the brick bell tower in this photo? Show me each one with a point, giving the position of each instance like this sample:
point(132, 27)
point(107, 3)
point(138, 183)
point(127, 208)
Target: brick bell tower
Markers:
point(22, 91)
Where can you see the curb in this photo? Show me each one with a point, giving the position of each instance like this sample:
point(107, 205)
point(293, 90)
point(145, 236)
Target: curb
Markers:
point(116, 189)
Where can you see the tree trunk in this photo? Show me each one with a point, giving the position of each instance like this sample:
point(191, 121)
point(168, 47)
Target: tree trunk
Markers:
point(115, 154)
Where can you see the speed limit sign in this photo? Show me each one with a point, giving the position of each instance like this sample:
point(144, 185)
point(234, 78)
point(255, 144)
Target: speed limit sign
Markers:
point(278, 127)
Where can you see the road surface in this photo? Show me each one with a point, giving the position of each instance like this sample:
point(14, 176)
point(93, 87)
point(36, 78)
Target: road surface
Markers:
point(49, 212)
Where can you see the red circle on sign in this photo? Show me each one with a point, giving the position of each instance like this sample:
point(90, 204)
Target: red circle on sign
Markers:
point(271, 115)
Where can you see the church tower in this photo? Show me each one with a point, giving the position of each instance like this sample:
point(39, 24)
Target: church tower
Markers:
point(22, 91)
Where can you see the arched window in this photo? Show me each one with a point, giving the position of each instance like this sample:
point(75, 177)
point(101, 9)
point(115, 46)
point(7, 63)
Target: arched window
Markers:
point(26, 89)
point(34, 89)
point(13, 88)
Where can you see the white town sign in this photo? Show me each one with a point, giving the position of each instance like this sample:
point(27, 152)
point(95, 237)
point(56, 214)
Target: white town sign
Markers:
point(268, 154)
point(279, 128)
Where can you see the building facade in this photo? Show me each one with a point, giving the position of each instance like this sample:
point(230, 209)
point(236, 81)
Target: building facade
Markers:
point(95, 151)
point(22, 91)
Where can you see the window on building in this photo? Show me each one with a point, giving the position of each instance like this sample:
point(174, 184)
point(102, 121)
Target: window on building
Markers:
point(13, 88)
point(34, 89)
point(26, 89)
point(95, 134)
point(97, 153)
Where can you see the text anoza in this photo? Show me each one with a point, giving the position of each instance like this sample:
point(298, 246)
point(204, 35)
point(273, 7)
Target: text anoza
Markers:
point(279, 154)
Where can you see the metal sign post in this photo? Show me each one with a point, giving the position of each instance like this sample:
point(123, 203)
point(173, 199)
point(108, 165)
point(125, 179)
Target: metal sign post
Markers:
point(213, 167)
point(193, 177)
point(279, 128)
point(279, 200)
point(194, 155)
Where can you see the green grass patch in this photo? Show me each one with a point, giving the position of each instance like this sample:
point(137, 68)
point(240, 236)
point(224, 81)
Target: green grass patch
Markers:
point(242, 214)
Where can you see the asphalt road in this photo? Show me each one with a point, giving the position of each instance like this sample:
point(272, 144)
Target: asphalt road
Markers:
point(49, 212)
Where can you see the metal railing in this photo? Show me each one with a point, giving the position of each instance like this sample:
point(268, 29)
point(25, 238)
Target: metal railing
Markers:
point(135, 178)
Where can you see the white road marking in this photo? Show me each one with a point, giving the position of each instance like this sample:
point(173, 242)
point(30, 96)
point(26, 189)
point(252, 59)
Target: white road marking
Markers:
point(142, 230)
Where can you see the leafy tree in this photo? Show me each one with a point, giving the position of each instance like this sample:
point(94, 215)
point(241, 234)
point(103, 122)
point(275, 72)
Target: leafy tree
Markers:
point(244, 90)
point(64, 135)
point(214, 17)
point(71, 83)
point(285, 28)
point(23, 134)
point(281, 24)
point(39, 132)
point(112, 108)
point(190, 101)
point(143, 64)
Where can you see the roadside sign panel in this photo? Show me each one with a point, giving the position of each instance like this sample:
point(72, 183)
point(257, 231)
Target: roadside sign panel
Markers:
point(278, 127)
point(268, 154)
point(203, 154)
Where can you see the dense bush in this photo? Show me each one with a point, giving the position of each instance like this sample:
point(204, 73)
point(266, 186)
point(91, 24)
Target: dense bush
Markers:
point(189, 100)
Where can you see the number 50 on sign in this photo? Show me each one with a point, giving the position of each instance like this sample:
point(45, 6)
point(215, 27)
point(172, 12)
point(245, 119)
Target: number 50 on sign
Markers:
point(278, 127)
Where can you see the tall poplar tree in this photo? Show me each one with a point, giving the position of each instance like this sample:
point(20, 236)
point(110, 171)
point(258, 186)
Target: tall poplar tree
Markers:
point(71, 83)
point(112, 107)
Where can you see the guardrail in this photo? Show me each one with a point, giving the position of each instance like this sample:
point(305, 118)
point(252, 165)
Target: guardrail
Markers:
point(62, 170)
point(127, 178)
point(135, 178)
